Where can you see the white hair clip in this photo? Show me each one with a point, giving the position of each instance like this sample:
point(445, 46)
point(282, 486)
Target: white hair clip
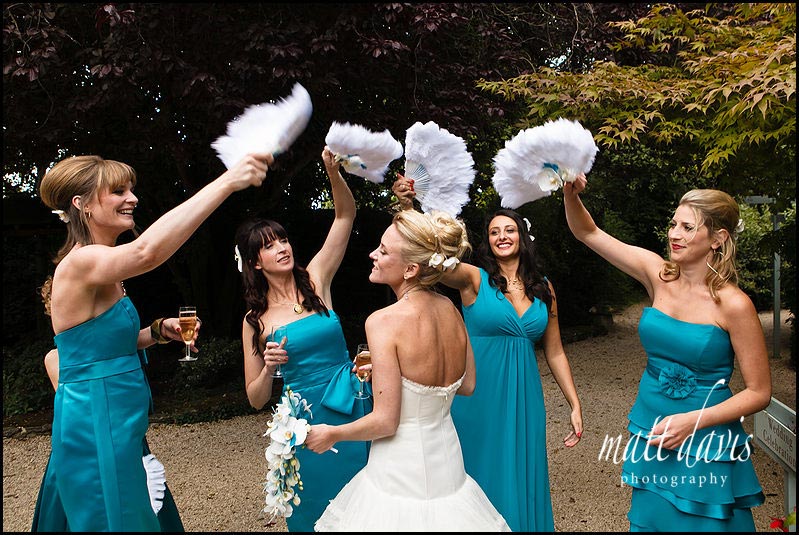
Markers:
point(529, 226)
point(739, 227)
point(62, 215)
point(237, 257)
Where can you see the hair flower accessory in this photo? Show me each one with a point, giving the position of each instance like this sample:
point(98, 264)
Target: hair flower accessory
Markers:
point(237, 258)
point(436, 259)
point(62, 215)
point(442, 263)
point(287, 430)
point(529, 227)
point(739, 227)
point(450, 263)
point(677, 381)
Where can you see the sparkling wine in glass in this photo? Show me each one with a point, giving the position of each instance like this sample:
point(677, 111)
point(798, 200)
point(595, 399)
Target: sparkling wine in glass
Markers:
point(280, 335)
point(188, 323)
point(362, 358)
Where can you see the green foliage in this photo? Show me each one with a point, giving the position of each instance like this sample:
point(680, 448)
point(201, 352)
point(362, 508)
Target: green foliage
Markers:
point(756, 255)
point(219, 362)
point(26, 387)
point(723, 82)
point(706, 98)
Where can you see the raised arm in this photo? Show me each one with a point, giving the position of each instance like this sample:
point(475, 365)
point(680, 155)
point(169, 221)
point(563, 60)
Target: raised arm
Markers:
point(641, 264)
point(97, 265)
point(326, 262)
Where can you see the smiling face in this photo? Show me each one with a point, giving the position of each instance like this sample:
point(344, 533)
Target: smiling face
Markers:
point(689, 238)
point(503, 237)
point(388, 264)
point(112, 211)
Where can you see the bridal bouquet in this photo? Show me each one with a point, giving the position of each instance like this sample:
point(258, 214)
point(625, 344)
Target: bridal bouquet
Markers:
point(287, 430)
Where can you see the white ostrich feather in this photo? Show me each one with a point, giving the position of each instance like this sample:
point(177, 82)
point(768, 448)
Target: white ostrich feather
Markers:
point(440, 166)
point(265, 127)
point(362, 152)
point(156, 481)
point(537, 161)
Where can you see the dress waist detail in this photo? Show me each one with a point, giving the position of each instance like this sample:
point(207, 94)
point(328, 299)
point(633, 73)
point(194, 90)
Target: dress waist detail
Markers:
point(341, 384)
point(99, 369)
point(658, 373)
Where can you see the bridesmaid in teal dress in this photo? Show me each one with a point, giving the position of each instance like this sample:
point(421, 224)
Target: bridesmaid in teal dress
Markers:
point(507, 308)
point(96, 478)
point(50, 515)
point(313, 358)
point(697, 474)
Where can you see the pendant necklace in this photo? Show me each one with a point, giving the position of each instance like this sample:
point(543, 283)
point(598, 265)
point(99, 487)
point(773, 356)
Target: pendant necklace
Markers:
point(296, 306)
point(411, 290)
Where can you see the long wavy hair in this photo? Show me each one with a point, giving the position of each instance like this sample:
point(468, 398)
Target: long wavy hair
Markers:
point(251, 237)
point(535, 285)
point(716, 210)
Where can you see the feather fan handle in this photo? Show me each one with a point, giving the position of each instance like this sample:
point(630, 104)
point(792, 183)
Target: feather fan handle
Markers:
point(362, 152)
point(265, 127)
point(441, 167)
point(537, 161)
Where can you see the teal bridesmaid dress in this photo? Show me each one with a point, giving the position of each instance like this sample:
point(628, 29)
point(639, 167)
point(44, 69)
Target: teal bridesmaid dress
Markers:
point(95, 478)
point(320, 370)
point(502, 426)
point(709, 484)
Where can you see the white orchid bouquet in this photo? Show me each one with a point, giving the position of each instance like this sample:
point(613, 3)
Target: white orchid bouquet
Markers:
point(287, 430)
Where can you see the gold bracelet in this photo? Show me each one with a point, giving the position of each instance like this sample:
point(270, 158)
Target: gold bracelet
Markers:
point(155, 332)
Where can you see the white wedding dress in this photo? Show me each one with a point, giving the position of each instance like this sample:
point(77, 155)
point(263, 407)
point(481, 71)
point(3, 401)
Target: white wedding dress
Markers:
point(415, 480)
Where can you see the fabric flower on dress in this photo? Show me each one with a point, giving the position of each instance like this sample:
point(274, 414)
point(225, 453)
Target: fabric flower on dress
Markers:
point(677, 381)
point(287, 430)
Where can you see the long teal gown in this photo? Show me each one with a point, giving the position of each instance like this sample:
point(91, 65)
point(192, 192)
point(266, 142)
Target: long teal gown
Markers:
point(502, 426)
point(95, 478)
point(320, 370)
point(709, 484)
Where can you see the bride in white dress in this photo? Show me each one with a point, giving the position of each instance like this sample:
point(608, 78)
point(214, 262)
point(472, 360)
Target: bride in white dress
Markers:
point(421, 358)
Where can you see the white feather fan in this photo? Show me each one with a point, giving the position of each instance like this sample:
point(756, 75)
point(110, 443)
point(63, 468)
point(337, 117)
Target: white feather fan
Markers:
point(537, 161)
point(265, 127)
point(362, 152)
point(440, 166)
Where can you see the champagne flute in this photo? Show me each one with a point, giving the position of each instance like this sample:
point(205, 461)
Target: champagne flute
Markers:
point(362, 358)
point(280, 335)
point(188, 323)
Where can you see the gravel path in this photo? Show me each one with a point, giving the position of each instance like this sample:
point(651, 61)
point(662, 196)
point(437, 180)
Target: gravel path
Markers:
point(215, 470)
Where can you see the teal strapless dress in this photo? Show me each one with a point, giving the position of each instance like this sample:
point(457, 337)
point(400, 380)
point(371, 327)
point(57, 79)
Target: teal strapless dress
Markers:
point(95, 478)
point(319, 369)
point(502, 426)
point(709, 484)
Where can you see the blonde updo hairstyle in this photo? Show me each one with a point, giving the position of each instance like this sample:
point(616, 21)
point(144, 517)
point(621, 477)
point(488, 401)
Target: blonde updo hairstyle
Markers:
point(427, 234)
point(715, 210)
point(84, 176)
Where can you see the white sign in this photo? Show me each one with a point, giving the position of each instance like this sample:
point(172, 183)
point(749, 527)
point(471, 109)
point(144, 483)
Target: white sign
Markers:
point(775, 431)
